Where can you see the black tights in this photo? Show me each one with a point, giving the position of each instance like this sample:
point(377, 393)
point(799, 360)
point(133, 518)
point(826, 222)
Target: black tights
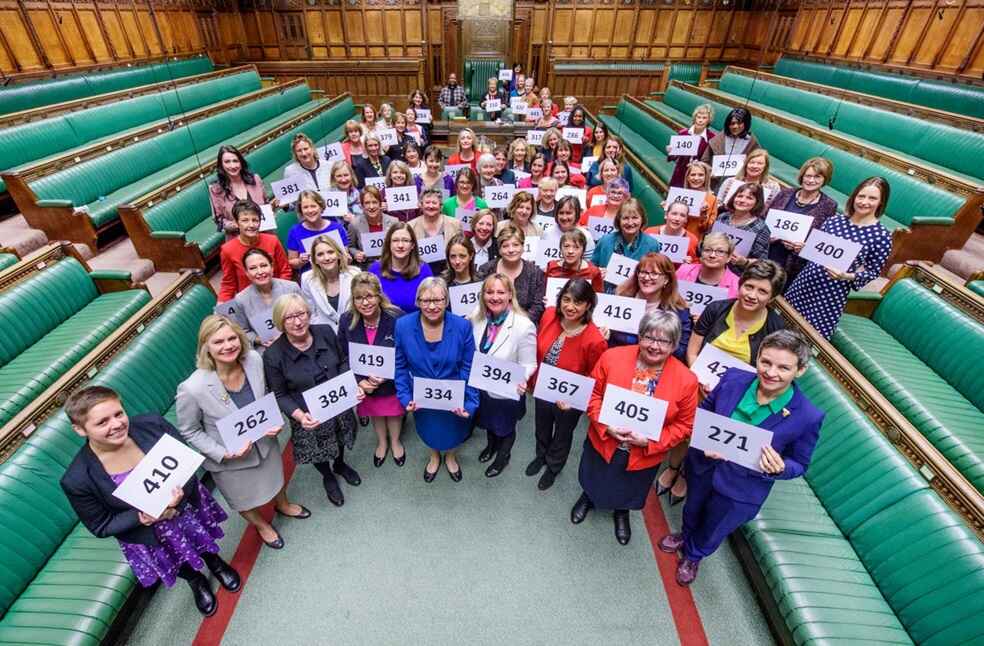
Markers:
point(189, 573)
point(502, 446)
point(325, 468)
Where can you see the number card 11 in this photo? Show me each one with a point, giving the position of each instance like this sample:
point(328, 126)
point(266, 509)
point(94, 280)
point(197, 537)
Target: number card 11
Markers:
point(556, 384)
point(250, 423)
point(738, 442)
point(332, 398)
point(623, 408)
point(167, 465)
point(496, 376)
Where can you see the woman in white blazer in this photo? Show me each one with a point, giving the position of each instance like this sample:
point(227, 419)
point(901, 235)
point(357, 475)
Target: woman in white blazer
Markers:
point(230, 376)
point(328, 284)
point(502, 330)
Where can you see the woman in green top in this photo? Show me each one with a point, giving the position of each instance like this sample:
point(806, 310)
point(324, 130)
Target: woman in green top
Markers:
point(464, 197)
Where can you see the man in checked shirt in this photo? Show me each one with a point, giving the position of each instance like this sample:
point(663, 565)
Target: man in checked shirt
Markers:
point(452, 98)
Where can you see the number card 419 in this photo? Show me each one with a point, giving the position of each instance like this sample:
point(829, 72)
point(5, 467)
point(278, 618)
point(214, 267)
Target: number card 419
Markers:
point(372, 360)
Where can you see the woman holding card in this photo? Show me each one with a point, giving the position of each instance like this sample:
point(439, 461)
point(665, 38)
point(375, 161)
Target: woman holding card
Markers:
point(676, 216)
point(598, 138)
point(465, 183)
point(755, 170)
point(327, 285)
point(567, 216)
point(432, 222)
point(434, 177)
point(352, 145)
point(178, 543)
point(818, 293)
point(573, 176)
point(527, 279)
point(397, 176)
point(737, 138)
point(568, 340)
point(612, 150)
point(256, 301)
point(303, 357)
point(744, 211)
point(725, 495)
point(548, 146)
point(413, 159)
point(400, 269)
point(627, 239)
point(608, 171)
point(234, 182)
point(234, 278)
point(312, 223)
point(654, 281)
point(483, 227)
point(487, 169)
point(701, 118)
point(616, 193)
point(502, 331)
point(374, 164)
point(465, 154)
point(493, 93)
point(307, 167)
point(372, 220)
point(229, 377)
point(578, 119)
point(343, 179)
point(433, 343)
point(519, 213)
point(460, 259)
point(712, 266)
point(619, 465)
point(538, 165)
point(698, 178)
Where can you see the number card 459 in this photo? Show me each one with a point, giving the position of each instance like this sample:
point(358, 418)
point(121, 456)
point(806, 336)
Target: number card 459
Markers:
point(167, 465)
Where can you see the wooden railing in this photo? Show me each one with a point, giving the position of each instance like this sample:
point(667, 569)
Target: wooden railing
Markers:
point(67, 72)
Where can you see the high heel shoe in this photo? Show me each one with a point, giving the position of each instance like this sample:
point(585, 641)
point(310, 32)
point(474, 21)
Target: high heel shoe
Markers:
point(660, 489)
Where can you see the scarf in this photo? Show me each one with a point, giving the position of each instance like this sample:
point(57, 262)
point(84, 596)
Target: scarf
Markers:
point(492, 326)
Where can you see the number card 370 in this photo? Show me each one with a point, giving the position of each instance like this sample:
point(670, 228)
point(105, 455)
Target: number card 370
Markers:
point(738, 442)
point(250, 423)
point(624, 408)
point(167, 465)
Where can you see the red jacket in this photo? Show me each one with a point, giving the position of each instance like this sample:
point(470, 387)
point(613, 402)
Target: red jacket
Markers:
point(579, 354)
point(677, 386)
point(234, 278)
point(591, 273)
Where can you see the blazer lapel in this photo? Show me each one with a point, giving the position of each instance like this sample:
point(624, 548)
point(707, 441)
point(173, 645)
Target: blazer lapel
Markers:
point(773, 420)
point(217, 390)
point(254, 372)
point(504, 333)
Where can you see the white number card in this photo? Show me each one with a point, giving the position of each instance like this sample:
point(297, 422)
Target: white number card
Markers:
point(573, 135)
point(700, 296)
point(262, 324)
point(546, 250)
point(558, 385)
point(586, 163)
point(332, 398)
point(308, 242)
point(830, 251)
point(465, 216)
point(738, 442)
point(534, 114)
point(693, 199)
point(619, 313)
point(372, 360)
point(423, 115)
point(167, 465)
point(268, 221)
point(505, 75)
point(534, 137)
point(401, 198)
point(788, 226)
point(599, 227)
point(431, 249)
point(464, 298)
point(554, 285)
point(563, 117)
point(530, 245)
point(286, 190)
point(496, 376)
point(546, 224)
point(229, 309)
point(712, 363)
point(493, 105)
point(451, 170)
point(336, 204)
point(623, 408)
point(579, 193)
point(333, 152)
point(387, 137)
point(743, 239)
point(438, 394)
point(520, 174)
point(250, 423)
point(684, 145)
point(673, 247)
point(532, 190)
point(372, 243)
point(619, 269)
point(518, 106)
point(498, 197)
point(726, 165)
point(378, 182)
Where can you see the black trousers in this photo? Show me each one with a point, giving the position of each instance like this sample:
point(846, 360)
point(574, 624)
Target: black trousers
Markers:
point(502, 446)
point(554, 433)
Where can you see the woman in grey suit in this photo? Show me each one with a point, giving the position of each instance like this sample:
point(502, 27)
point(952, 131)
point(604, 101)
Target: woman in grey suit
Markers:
point(252, 308)
point(230, 376)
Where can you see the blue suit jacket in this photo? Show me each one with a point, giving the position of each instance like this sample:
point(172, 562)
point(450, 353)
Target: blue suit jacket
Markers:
point(794, 436)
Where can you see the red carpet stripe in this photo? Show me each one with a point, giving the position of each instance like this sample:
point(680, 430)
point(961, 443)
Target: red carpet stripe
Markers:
point(685, 615)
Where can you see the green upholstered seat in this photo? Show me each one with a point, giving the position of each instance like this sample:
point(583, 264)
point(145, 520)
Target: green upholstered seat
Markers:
point(604, 66)
point(976, 286)
point(475, 80)
point(685, 72)
point(7, 260)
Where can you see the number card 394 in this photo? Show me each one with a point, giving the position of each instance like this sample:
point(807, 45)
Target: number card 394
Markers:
point(250, 423)
point(496, 376)
point(624, 408)
point(167, 465)
point(738, 442)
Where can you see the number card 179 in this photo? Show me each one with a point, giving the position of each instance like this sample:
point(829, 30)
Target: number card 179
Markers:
point(167, 465)
point(738, 442)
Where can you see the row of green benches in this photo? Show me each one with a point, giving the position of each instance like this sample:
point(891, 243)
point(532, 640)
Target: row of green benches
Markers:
point(16, 97)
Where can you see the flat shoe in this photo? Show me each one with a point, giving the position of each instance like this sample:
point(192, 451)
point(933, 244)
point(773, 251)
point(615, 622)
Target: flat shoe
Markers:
point(546, 480)
point(487, 454)
point(378, 462)
point(535, 466)
point(455, 475)
point(305, 513)
point(400, 461)
point(430, 475)
point(275, 544)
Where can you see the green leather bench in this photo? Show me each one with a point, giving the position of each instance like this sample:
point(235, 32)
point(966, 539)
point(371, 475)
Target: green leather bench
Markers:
point(685, 72)
point(24, 96)
point(976, 286)
point(942, 147)
point(50, 321)
point(58, 583)
point(952, 97)
point(923, 355)
point(7, 260)
point(912, 201)
point(862, 550)
point(643, 135)
point(33, 141)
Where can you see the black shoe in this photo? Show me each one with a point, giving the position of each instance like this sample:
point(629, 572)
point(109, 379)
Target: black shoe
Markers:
point(535, 466)
point(204, 598)
point(363, 421)
point(487, 453)
point(378, 462)
point(351, 475)
point(581, 508)
point(304, 513)
point(275, 544)
point(334, 491)
point(227, 577)
point(623, 533)
point(660, 489)
point(496, 467)
point(455, 475)
point(428, 475)
point(400, 461)
point(546, 480)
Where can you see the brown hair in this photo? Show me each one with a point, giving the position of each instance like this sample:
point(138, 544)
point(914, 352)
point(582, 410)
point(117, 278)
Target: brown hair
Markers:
point(79, 403)
point(386, 260)
point(668, 296)
point(878, 182)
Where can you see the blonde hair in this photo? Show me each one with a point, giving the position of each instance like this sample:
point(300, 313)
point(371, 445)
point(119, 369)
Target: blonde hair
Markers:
point(298, 138)
point(351, 125)
point(547, 181)
point(549, 132)
point(758, 152)
point(210, 325)
point(396, 164)
point(481, 313)
point(286, 303)
point(718, 236)
point(366, 281)
point(471, 133)
point(314, 196)
point(337, 166)
point(707, 173)
point(703, 107)
point(519, 143)
point(320, 277)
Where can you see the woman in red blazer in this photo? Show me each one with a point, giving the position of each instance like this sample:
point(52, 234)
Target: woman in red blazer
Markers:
point(570, 341)
point(618, 466)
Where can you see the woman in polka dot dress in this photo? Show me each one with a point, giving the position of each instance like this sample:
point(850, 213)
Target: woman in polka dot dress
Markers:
point(818, 293)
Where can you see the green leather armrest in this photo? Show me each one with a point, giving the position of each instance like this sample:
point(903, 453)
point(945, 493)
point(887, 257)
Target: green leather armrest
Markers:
point(52, 204)
point(940, 220)
point(110, 274)
point(168, 235)
point(864, 296)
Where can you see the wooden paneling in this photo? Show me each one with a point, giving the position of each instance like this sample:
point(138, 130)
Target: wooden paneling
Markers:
point(941, 36)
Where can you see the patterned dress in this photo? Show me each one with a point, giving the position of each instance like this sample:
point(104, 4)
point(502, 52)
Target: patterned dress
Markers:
point(820, 298)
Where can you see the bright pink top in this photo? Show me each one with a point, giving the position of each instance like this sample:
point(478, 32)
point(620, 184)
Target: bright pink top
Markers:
point(690, 273)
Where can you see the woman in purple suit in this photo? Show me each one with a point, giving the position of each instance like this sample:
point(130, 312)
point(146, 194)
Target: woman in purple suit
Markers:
point(724, 495)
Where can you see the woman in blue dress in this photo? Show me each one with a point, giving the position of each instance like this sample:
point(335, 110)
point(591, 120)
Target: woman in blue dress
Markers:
point(818, 293)
point(433, 343)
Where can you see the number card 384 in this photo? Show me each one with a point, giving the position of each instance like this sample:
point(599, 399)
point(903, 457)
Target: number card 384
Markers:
point(332, 398)
point(167, 465)
point(496, 376)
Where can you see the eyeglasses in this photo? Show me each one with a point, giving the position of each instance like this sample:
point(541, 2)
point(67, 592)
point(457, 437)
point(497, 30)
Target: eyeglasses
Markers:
point(660, 343)
point(651, 274)
point(296, 318)
point(715, 252)
point(365, 299)
point(433, 301)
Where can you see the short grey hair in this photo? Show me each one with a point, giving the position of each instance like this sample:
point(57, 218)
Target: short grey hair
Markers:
point(663, 322)
point(485, 159)
point(790, 341)
point(432, 282)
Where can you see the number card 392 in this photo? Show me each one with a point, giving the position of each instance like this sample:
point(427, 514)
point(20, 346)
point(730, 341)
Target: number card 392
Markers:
point(624, 408)
point(167, 465)
point(332, 398)
point(250, 423)
point(738, 442)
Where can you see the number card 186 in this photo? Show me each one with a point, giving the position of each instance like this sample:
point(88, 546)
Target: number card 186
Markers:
point(738, 442)
point(167, 465)
point(250, 423)
point(624, 408)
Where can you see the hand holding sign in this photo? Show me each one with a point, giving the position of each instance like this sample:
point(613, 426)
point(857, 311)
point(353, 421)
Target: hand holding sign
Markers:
point(573, 135)
point(439, 394)
point(336, 204)
point(332, 398)
point(286, 191)
point(150, 485)
point(735, 441)
point(268, 221)
point(246, 425)
point(558, 385)
point(829, 251)
point(625, 409)
point(712, 363)
point(673, 247)
point(788, 226)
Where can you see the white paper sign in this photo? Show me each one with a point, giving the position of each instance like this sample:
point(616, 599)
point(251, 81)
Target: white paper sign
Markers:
point(830, 251)
point(262, 324)
point(373, 243)
point(332, 398)
point(438, 394)
point(530, 246)
point(465, 216)
point(401, 198)
point(518, 105)
point(736, 441)
point(378, 182)
point(505, 75)
point(713, 362)
point(684, 145)
point(579, 193)
point(451, 170)
point(229, 309)
point(309, 241)
point(619, 313)
point(700, 296)
point(520, 174)
point(431, 249)
point(587, 163)
point(535, 137)
point(599, 199)
point(546, 224)
point(496, 376)
point(726, 165)
point(268, 221)
point(167, 465)
point(693, 199)
point(464, 298)
point(493, 105)
point(554, 285)
point(623, 408)
point(788, 226)
point(250, 423)
point(336, 204)
point(546, 250)
point(673, 247)
point(534, 114)
point(423, 115)
point(619, 269)
point(372, 360)
point(333, 152)
point(573, 135)
point(498, 197)
point(555, 384)
point(743, 239)
point(387, 137)
point(599, 227)
point(286, 191)
point(564, 117)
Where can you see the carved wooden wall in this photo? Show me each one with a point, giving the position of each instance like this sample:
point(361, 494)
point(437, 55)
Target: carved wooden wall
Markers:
point(944, 36)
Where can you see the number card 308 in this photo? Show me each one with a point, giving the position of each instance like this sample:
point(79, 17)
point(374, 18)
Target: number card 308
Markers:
point(167, 465)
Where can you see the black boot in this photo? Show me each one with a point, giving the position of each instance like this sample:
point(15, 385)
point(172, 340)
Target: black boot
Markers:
point(224, 573)
point(623, 533)
point(581, 508)
point(202, 591)
point(351, 475)
point(490, 449)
